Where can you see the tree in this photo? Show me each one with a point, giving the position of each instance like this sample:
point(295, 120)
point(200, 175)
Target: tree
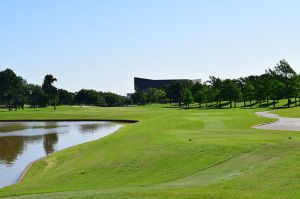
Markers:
point(249, 92)
point(150, 95)
point(295, 88)
point(50, 90)
point(36, 96)
point(263, 88)
point(230, 91)
point(200, 92)
point(113, 99)
point(216, 86)
point(211, 94)
point(276, 83)
point(285, 73)
point(139, 97)
point(173, 92)
point(187, 97)
point(198, 96)
point(65, 97)
point(160, 96)
point(20, 94)
point(10, 88)
point(195, 88)
point(248, 87)
point(89, 97)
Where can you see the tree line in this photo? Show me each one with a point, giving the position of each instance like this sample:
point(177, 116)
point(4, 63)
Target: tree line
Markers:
point(281, 82)
point(15, 93)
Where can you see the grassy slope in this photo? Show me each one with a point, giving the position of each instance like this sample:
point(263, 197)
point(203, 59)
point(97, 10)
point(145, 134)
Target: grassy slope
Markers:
point(170, 153)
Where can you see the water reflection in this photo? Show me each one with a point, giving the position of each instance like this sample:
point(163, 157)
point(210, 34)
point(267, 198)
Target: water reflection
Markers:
point(24, 142)
point(49, 141)
point(11, 126)
point(94, 127)
point(10, 147)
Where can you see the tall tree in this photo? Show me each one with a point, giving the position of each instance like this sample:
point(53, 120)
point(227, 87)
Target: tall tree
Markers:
point(50, 90)
point(216, 85)
point(173, 92)
point(249, 92)
point(187, 97)
point(200, 92)
point(295, 82)
point(211, 94)
point(285, 74)
point(230, 91)
point(263, 88)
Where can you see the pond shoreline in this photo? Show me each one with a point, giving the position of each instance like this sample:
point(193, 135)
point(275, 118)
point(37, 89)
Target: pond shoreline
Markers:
point(24, 172)
point(29, 165)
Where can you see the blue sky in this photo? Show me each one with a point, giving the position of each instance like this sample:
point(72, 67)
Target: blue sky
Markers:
point(104, 44)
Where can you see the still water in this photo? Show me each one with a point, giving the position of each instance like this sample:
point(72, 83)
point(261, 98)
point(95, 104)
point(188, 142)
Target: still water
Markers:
point(24, 142)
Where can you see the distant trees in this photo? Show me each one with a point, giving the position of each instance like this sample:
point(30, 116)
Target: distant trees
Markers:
point(15, 92)
point(281, 82)
point(93, 97)
point(151, 96)
point(65, 97)
point(112, 99)
point(88, 97)
point(275, 84)
point(36, 96)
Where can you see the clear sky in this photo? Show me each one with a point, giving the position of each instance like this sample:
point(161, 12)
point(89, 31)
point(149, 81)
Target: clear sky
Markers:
point(104, 44)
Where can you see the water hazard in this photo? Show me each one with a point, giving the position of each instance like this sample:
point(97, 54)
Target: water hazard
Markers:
point(24, 142)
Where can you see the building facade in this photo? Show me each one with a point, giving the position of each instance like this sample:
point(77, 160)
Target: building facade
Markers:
point(144, 84)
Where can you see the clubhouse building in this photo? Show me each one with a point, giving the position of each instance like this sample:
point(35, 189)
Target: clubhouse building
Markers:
point(144, 84)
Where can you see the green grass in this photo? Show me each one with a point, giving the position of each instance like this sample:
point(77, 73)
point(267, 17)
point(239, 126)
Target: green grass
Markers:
point(169, 153)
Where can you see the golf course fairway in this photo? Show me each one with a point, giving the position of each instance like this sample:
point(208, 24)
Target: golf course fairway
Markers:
point(169, 153)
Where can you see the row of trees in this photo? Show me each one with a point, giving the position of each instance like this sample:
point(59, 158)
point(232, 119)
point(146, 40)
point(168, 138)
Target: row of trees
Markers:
point(92, 97)
point(15, 92)
point(275, 84)
point(282, 82)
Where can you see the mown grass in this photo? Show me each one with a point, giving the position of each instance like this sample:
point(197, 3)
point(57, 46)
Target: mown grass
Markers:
point(169, 153)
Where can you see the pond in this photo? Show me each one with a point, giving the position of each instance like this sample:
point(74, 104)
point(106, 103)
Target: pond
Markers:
point(23, 142)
